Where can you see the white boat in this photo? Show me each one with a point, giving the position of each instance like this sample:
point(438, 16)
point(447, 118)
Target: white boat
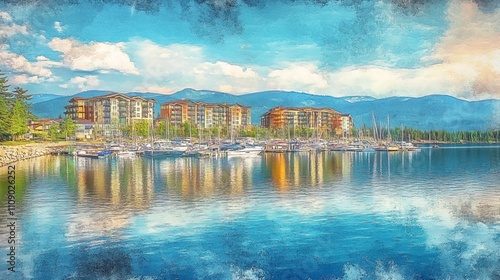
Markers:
point(166, 148)
point(406, 146)
point(245, 151)
point(126, 154)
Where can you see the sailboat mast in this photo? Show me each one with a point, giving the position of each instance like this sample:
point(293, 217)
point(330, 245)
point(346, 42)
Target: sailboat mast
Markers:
point(388, 130)
point(375, 132)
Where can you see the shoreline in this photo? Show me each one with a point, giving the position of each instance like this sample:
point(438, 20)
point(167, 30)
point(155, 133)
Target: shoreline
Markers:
point(15, 153)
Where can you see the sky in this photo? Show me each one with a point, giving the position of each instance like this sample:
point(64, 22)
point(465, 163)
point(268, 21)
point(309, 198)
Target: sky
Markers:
point(378, 48)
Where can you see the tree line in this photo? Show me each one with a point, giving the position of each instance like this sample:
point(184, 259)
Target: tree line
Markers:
point(14, 110)
point(411, 134)
point(162, 130)
point(15, 114)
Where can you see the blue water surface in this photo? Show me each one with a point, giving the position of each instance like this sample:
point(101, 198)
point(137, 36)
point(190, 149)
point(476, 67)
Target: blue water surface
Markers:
point(433, 214)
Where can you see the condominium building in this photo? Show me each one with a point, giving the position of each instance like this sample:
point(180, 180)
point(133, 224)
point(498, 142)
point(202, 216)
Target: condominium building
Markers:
point(205, 115)
point(79, 108)
point(316, 118)
point(112, 108)
point(347, 125)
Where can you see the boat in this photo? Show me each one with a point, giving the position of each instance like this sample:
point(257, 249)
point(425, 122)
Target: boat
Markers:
point(126, 154)
point(95, 154)
point(87, 154)
point(387, 148)
point(407, 146)
point(122, 151)
point(298, 147)
point(276, 147)
point(165, 148)
point(249, 150)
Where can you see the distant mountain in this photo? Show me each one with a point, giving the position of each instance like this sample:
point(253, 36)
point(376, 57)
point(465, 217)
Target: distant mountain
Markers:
point(37, 98)
point(429, 112)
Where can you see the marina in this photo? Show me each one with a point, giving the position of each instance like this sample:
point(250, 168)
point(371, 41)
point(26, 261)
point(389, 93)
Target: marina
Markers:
point(162, 148)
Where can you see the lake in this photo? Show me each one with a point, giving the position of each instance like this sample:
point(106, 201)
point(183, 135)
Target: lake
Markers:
point(433, 214)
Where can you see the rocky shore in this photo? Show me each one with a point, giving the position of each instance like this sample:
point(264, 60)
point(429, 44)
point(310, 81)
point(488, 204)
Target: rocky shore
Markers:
point(11, 154)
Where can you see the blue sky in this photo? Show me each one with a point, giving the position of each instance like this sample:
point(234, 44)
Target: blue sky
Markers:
point(345, 47)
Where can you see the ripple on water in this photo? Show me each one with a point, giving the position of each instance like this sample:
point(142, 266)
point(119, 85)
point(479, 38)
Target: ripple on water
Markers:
point(335, 215)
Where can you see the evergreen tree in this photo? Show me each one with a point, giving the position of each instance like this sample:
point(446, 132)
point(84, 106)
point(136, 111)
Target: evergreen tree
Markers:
point(68, 128)
point(18, 119)
point(4, 86)
point(21, 93)
point(4, 117)
point(5, 106)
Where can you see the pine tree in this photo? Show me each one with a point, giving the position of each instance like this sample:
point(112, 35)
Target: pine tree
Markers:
point(5, 106)
point(20, 93)
point(4, 86)
point(18, 119)
point(4, 117)
point(68, 127)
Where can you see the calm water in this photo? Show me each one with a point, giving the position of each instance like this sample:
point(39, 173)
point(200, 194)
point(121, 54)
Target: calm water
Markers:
point(433, 214)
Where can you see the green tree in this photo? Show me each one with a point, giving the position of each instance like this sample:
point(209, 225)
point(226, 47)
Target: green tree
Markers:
point(4, 86)
point(4, 117)
point(53, 132)
point(68, 128)
point(18, 119)
point(5, 106)
point(142, 128)
point(20, 93)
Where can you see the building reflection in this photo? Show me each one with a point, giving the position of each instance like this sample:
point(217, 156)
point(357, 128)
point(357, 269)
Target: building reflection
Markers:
point(290, 170)
point(119, 182)
point(196, 178)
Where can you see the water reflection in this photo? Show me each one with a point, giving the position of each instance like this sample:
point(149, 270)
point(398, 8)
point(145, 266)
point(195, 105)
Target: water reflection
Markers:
point(306, 169)
point(206, 215)
point(136, 183)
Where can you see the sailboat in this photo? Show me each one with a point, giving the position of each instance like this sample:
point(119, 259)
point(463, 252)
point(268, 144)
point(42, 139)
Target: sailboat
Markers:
point(388, 146)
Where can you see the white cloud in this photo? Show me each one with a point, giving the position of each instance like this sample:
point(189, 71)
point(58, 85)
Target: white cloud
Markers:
point(18, 63)
point(468, 65)
point(25, 71)
point(470, 49)
point(8, 29)
point(155, 88)
point(227, 69)
point(95, 56)
point(179, 66)
point(85, 83)
point(4, 16)
point(298, 76)
point(25, 79)
point(159, 62)
point(58, 27)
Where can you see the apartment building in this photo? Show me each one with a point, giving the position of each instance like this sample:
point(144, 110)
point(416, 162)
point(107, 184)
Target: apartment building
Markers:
point(205, 115)
point(347, 125)
point(112, 108)
point(307, 117)
point(79, 108)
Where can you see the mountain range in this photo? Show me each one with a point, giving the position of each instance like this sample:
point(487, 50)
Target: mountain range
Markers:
point(430, 112)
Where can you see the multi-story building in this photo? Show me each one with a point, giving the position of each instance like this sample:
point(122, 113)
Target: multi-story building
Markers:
point(205, 115)
point(347, 124)
point(106, 113)
point(315, 118)
point(79, 108)
point(112, 108)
